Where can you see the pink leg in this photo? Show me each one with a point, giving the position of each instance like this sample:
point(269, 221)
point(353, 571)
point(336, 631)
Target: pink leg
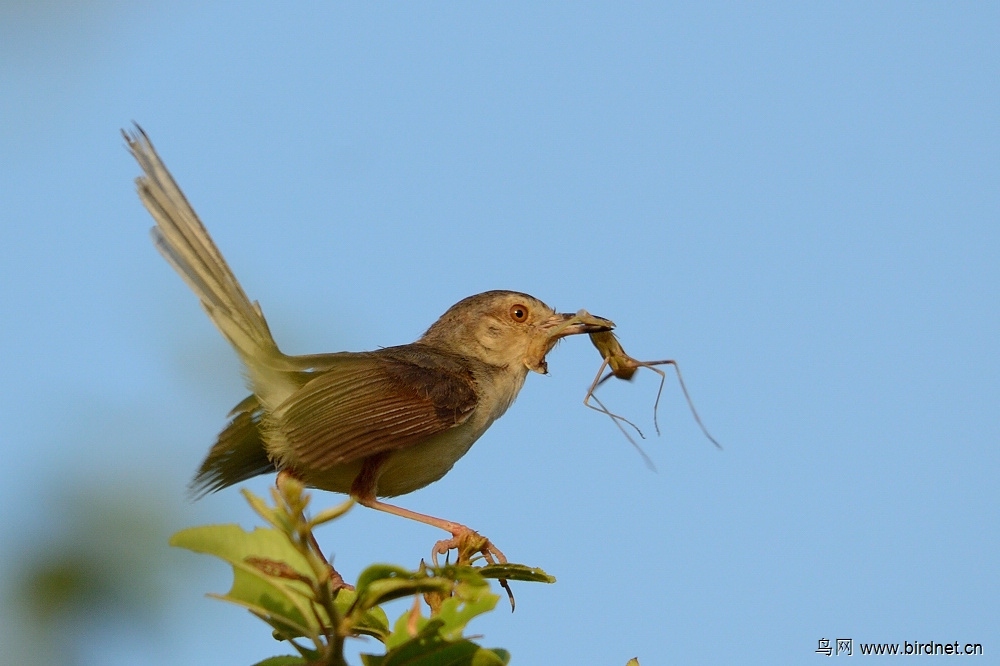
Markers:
point(466, 541)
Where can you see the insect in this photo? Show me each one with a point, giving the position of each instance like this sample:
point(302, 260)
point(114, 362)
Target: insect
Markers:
point(624, 367)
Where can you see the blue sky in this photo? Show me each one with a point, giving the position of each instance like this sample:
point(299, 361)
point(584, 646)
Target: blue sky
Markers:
point(799, 203)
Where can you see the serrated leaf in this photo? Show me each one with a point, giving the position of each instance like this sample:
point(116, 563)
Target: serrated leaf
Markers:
point(516, 572)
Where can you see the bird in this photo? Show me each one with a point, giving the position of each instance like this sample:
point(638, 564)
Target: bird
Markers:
point(370, 424)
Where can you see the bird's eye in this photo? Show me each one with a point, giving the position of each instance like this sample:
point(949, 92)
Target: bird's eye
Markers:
point(519, 313)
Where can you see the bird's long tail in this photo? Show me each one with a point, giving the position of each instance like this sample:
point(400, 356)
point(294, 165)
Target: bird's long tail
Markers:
point(184, 242)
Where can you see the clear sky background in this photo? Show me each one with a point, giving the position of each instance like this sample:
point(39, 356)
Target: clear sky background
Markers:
point(798, 203)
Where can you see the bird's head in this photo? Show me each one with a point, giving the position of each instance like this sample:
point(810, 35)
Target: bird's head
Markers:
point(508, 329)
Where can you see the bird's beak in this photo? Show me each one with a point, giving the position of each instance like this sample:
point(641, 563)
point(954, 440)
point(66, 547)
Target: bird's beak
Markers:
point(555, 328)
point(561, 325)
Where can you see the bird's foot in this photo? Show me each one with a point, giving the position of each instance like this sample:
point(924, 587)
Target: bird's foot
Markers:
point(470, 544)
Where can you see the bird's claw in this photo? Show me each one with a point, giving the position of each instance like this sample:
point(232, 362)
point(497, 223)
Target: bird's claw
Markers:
point(469, 544)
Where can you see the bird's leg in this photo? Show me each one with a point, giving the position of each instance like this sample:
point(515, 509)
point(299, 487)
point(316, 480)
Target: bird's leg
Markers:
point(466, 541)
point(336, 580)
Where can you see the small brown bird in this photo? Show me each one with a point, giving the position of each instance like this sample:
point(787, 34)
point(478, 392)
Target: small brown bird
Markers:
point(369, 424)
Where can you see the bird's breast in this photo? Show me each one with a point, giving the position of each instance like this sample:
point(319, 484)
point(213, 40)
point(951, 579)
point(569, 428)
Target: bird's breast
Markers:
point(418, 466)
point(425, 462)
point(413, 468)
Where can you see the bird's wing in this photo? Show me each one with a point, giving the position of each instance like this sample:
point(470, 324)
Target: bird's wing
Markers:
point(367, 403)
point(238, 454)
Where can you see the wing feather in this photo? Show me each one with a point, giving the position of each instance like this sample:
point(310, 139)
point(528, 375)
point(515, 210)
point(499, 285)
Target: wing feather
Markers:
point(372, 402)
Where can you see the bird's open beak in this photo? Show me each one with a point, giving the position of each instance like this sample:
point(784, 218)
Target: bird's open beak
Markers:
point(555, 328)
point(561, 325)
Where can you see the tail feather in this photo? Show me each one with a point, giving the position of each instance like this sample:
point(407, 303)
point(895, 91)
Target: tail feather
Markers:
point(186, 245)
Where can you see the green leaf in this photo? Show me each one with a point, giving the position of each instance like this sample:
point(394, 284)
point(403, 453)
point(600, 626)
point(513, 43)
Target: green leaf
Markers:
point(260, 506)
point(516, 572)
point(380, 583)
point(429, 648)
point(401, 631)
point(387, 589)
point(455, 613)
point(459, 573)
point(501, 654)
point(233, 544)
point(468, 602)
point(380, 572)
point(331, 513)
point(439, 652)
point(282, 599)
point(373, 622)
point(284, 660)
